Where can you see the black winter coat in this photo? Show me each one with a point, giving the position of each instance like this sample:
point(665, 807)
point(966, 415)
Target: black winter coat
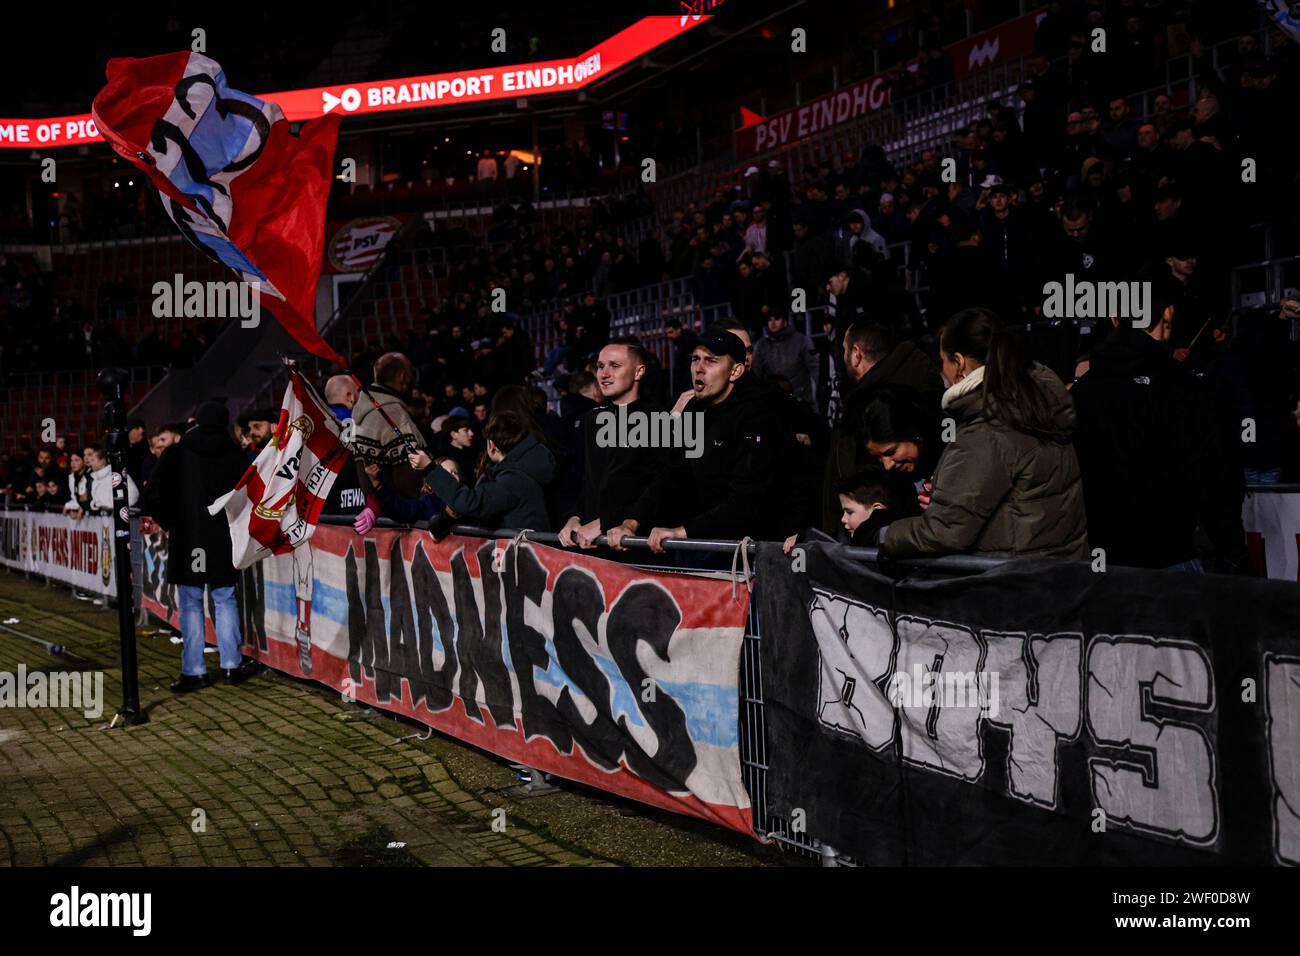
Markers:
point(733, 488)
point(614, 477)
point(1150, 456)
point(511, 493)
point(189, 476)
point(906, 367)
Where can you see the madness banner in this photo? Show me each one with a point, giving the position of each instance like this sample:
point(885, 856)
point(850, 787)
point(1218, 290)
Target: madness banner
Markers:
point(1044, 714)
point(76, 551)
point(621, 679)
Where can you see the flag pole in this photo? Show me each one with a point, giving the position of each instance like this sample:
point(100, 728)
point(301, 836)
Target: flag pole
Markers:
point(112, 383)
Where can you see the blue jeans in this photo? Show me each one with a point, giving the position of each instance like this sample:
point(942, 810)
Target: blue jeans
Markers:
point(192, 630)
point(1193, 566)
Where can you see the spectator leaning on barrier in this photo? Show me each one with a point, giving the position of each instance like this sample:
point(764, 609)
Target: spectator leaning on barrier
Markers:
point(1150, 453)
point(1008, 484)
point(902, 432)
point(874, 363)
point(729, 489)
point(44, 470)
point(78, 480)
point(511, 493)
point(615, 474)
point(564, 438)
point(100, 486)
point(188, 477)
point(384, 433)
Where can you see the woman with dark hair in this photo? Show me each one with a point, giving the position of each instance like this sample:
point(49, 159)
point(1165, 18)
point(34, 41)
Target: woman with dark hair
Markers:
point(902, 433)
point(1008, 483)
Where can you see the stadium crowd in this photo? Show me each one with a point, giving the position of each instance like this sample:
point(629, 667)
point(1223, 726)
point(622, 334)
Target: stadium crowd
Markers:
point(959, 420)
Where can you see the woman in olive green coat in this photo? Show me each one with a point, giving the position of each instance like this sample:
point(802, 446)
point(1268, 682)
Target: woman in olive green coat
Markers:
point(1008, 485)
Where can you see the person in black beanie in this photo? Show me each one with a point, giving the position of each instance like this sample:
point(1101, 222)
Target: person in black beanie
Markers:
point(189, 476)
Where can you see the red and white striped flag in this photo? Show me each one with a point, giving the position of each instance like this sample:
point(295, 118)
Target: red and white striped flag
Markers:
point(277, 503)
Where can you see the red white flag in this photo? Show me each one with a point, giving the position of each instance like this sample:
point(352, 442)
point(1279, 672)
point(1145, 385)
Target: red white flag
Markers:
point(277, 503)
point(239, 186)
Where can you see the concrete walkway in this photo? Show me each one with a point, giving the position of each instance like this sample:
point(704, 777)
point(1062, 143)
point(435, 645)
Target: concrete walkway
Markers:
point(278, 771)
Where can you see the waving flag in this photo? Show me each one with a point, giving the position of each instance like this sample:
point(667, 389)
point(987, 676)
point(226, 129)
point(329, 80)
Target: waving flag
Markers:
point(277, 503)
point(236, 182)
point(1285, 14)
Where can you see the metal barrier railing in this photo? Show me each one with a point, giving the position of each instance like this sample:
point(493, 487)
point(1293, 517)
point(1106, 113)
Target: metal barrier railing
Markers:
point(753, 728)
point(751, 704)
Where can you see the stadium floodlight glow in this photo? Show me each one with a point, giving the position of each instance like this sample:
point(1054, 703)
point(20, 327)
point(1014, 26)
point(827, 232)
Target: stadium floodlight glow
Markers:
point(413, 92)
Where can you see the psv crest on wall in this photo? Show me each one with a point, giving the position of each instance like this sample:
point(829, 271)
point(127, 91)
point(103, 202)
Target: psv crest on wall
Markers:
point(358, 245)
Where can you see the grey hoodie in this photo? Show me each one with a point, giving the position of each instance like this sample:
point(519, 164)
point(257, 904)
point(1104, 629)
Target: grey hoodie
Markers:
point(792, 356)
point(869, 236)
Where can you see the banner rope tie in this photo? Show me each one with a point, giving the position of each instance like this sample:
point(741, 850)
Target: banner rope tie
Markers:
point(518, 539)
point(741, 554)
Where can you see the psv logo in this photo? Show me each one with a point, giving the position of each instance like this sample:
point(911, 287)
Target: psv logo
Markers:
point(289, 468)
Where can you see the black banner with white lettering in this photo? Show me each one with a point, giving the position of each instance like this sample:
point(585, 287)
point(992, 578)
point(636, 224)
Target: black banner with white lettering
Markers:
point(1037, 714)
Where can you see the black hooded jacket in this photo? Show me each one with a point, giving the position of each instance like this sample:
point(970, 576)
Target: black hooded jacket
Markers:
point(732, 489)
point(511, 493)
point(906, 367)
point(1151, 457)
point(615, 477)
point(189, 476)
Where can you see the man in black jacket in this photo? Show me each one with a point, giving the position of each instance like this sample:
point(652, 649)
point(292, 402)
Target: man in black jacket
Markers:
point(875, 364)
point(615, 475)
point(1152, 459)
point(726, 485)
point(189, 476)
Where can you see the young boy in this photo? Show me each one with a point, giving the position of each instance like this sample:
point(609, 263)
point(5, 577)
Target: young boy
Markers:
point(864, 507)
point(864, 512)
